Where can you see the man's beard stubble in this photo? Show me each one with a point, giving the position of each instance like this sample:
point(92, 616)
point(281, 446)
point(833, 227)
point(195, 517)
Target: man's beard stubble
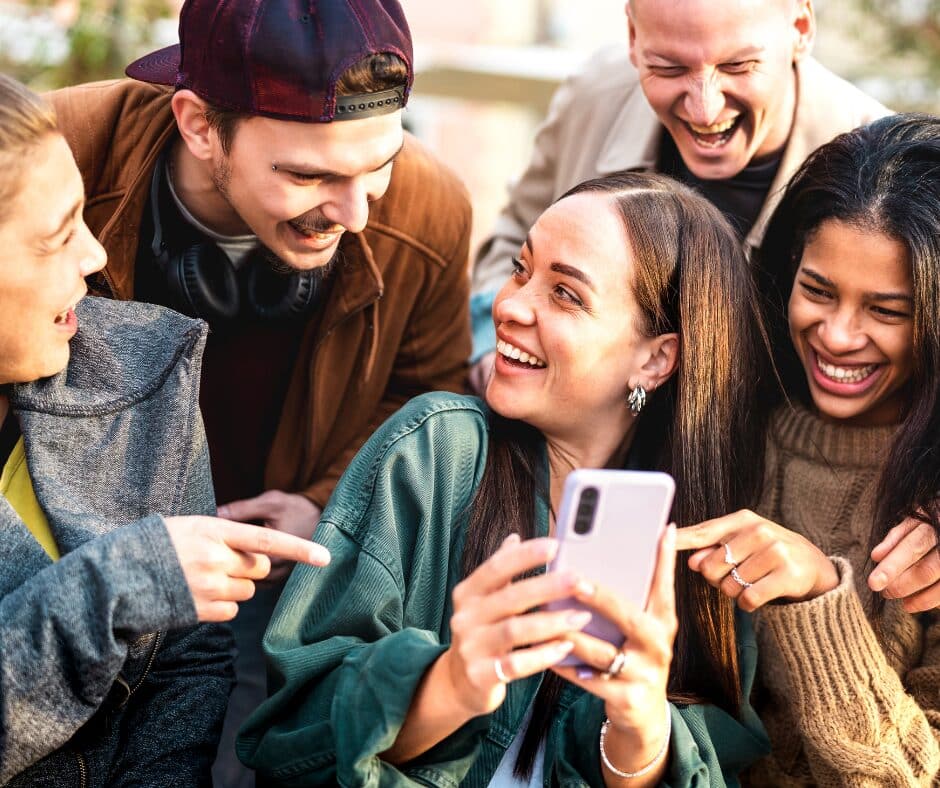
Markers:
point(222, 177)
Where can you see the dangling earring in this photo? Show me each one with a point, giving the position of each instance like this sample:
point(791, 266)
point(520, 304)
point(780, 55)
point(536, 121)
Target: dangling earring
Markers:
point(637, 399)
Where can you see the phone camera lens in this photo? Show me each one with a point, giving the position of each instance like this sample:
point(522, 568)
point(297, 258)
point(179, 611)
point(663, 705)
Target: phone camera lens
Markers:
point(585, 514)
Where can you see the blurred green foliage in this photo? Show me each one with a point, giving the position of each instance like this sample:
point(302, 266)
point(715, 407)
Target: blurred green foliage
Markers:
point(900, 40)
point(906, 46)
point(104, 36)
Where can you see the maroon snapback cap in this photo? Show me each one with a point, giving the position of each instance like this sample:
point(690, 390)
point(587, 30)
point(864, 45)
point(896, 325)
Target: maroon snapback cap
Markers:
point(282, 58)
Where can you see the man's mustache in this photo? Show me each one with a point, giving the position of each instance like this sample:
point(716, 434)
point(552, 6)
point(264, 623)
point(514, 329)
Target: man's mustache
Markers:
point(316, 224)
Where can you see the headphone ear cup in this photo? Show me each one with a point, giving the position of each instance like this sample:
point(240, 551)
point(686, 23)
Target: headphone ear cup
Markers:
point(208, 283)
point(273, 296)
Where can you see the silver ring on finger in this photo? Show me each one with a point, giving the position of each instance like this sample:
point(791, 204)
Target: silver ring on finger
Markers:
point(729, 559)
point(615, 666)
point(736, 576)
point(500, 673)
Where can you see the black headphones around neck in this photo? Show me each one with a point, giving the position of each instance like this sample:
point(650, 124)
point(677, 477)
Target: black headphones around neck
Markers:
point(203, 282)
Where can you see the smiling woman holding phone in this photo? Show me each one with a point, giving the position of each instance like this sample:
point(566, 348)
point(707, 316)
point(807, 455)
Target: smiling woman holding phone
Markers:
point(851, 264)
point(107, 678)
point(626, 339)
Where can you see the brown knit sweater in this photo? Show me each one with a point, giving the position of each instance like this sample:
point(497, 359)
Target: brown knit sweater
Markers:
point(842, 707)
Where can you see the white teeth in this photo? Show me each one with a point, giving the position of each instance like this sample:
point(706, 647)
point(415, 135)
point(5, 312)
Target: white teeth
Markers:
point(715, 128)
point(844, 374)
point(517, 354)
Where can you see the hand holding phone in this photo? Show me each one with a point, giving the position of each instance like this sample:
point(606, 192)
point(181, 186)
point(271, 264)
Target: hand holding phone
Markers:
point(609, 526)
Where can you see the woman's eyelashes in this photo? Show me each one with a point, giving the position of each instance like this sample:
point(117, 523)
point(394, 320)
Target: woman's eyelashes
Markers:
point(560, 292)
point(815, 292)
point(891, 314)
point(881, 312)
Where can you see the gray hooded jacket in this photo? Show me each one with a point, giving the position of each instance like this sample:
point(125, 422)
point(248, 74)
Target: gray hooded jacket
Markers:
point(105, 679)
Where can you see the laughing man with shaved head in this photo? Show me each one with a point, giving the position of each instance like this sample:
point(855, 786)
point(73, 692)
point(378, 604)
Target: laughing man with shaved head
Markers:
point(721, 94)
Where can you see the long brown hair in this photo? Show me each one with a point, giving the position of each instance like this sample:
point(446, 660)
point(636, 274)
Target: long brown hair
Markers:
point(883, 178)
point(691, 277)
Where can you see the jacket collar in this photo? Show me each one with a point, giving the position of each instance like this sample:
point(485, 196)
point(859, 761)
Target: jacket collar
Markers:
point(110, 421)
point(634, 138)
point(120, 236)
point(122, 353)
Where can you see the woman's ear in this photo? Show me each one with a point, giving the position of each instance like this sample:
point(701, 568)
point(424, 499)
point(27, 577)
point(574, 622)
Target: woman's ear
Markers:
point(663, 359)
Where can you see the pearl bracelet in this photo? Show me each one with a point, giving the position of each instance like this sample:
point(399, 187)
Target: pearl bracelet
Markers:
point(656, 758)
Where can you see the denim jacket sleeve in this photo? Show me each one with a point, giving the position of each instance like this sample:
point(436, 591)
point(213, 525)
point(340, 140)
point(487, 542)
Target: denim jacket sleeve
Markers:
point(348, 644)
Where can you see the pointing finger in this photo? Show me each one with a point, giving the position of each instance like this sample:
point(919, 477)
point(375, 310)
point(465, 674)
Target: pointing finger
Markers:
point(256, 539)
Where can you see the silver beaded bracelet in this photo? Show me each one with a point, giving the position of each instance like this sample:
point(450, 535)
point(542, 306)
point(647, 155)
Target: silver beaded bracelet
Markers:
point(656, 758)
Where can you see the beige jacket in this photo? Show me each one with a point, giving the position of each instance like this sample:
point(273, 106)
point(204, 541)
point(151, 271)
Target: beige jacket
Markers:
point(599, 122)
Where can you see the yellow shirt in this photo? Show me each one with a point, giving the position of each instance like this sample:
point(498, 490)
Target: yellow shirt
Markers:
point(17, 488)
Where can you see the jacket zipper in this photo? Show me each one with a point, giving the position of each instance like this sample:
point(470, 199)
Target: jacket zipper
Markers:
point(153, 655)
point(82, 771)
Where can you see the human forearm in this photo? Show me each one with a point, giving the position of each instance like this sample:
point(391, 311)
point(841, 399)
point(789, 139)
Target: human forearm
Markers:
point(436, 712)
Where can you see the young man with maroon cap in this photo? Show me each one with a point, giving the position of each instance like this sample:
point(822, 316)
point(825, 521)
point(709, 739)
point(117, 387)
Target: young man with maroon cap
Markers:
point(274, 194)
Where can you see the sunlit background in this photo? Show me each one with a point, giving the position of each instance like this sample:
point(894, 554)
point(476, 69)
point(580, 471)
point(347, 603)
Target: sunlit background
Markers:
point(485, 68)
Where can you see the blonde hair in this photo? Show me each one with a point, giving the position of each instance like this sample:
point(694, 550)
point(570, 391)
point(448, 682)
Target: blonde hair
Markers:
point(25, 120)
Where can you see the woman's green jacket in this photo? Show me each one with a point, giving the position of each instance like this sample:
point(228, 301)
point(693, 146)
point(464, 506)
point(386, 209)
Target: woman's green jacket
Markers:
point(348, 644)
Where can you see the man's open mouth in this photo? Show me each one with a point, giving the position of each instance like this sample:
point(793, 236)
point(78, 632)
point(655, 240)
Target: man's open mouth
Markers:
point(316, 232)
point(715, 135)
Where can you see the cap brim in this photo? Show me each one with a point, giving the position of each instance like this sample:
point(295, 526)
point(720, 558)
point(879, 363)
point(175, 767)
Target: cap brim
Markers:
point(160, 67)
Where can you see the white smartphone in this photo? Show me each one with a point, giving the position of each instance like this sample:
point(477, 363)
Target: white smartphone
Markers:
point(609, 526)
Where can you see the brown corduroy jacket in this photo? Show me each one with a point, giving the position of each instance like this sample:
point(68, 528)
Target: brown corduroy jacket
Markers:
point(396, 323)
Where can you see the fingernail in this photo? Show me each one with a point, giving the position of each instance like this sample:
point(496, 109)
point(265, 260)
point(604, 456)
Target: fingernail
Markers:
point(222, 511)
point(562, 650)
point(512, 539)
point(878, 580)
point(551, 549)
point(584, 673)
point(584, 588)
point(671, 536)
point(579, 620)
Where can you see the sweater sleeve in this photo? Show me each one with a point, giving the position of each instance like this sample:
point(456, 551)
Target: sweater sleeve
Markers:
point(349, 643)
point(861, 724)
